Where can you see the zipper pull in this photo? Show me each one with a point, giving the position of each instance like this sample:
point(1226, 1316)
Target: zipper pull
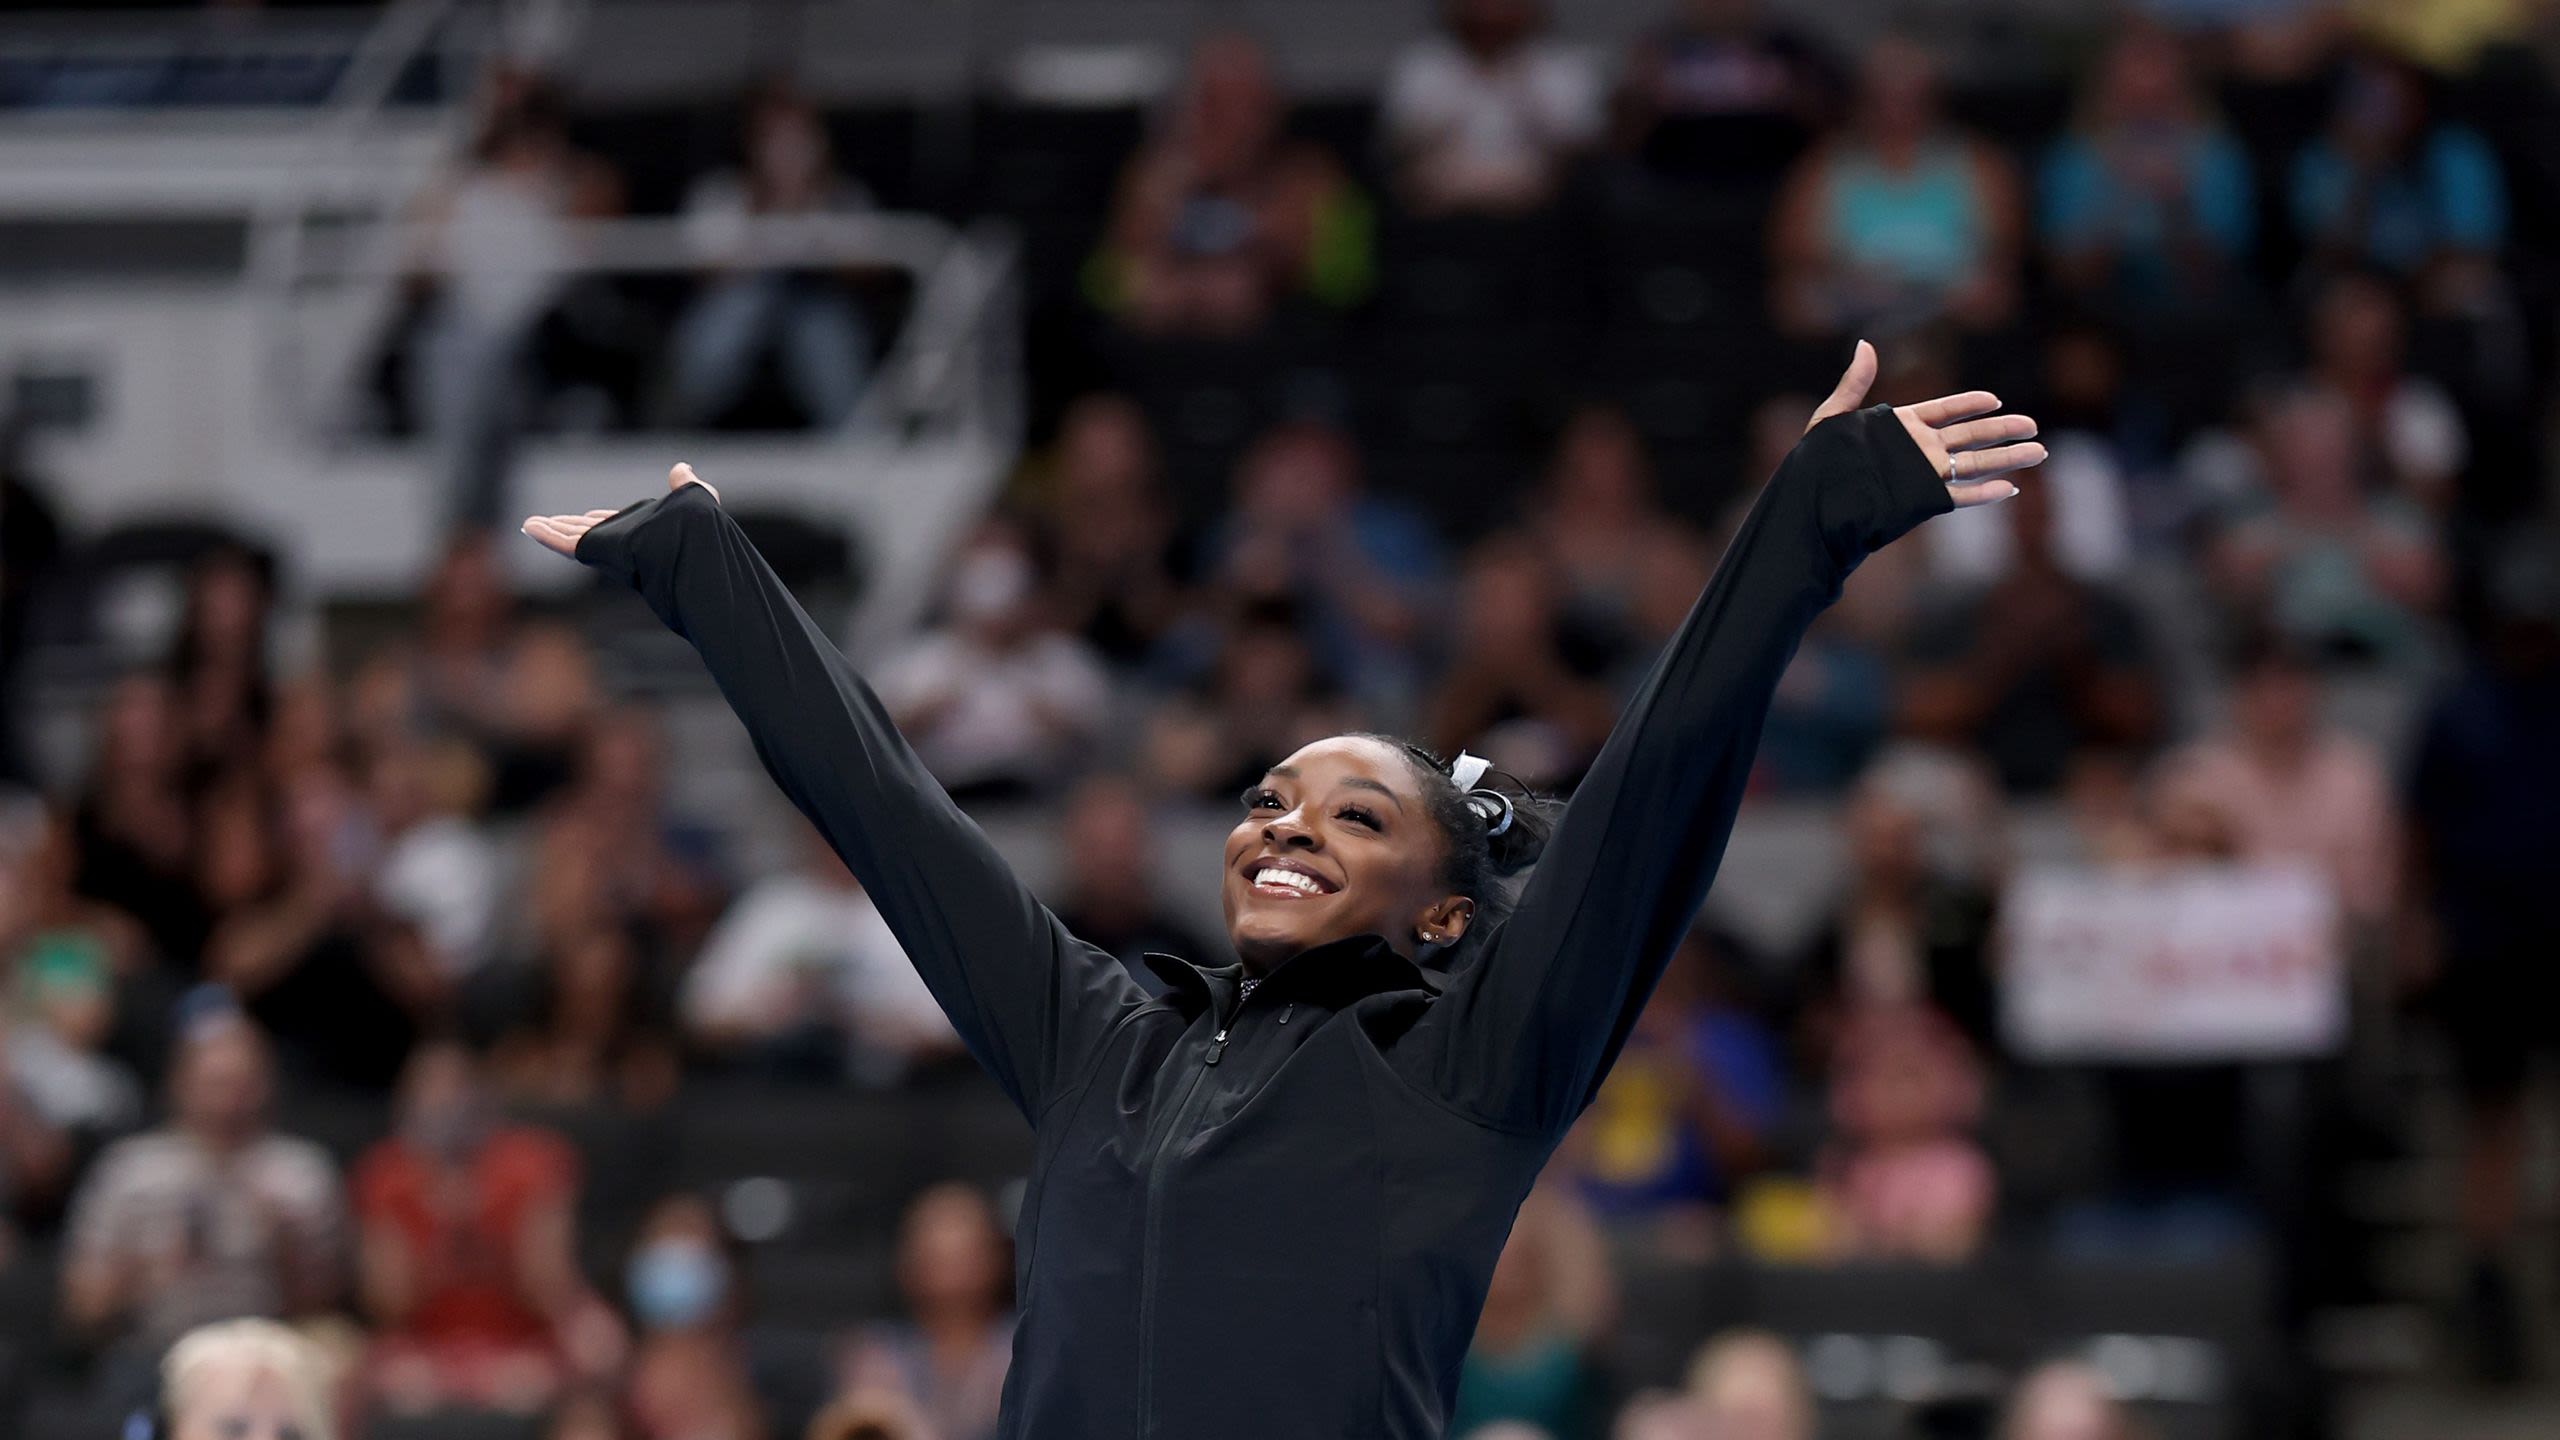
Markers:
point(1217, 1047)
point(1285, 1011)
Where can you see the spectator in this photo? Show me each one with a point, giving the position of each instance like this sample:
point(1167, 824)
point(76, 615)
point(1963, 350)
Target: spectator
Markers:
point(801, 979)
point(1912, 928)
point(1898, 220)
point(2348, 576)
point(2291, 787)
point(1114, 579)
point(1220, 219)
point(1485, 117)
point(746, 306)
point(594, 1031)
point(1518, 688)
point(65, 958)
point(1723, 92)
point(2412, 439)
point(1108, 898)
point(246, 1380)
point(1265, 692)
point(2391, 185)
point(467, 1248)
point(1361, 568)
point(439, 870)
point(496, 267)
point(211, 1216)
point(1601, 519)
point(1551, 1299)
point(663, 874)
point(1691, 1108)
point(2482, 791)
point(342, 985)
point(1904, 1179)
point(1748, 1385)
point(948, 1360)
point(2065, 1400)
point(2148, 209)
point(135, 820)
point(523, 694)
point(998, 702)
point(219, 668)
point(2034, 666)
point(689, 1378)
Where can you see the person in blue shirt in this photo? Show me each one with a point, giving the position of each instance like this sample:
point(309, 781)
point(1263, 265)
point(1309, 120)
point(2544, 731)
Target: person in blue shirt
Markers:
point(2391, 186)
point(2146, 207)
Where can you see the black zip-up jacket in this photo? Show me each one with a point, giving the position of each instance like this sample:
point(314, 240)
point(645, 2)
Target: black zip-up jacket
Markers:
point(1275, 1219)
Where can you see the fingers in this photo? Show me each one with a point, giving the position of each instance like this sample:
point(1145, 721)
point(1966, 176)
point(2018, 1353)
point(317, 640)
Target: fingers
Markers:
point(1981, 492)
point(1948, 409)
point(1972, 465)
point(1982, 434)
point(1853, 386)
point(553, 534)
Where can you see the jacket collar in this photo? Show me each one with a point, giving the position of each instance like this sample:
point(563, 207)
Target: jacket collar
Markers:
point(1335, 974)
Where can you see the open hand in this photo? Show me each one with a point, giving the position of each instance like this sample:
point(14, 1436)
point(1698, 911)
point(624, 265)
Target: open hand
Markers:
point(561, 533)
point(1970, 446)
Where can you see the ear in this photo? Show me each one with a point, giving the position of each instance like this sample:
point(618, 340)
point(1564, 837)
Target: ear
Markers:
point(1445, 921)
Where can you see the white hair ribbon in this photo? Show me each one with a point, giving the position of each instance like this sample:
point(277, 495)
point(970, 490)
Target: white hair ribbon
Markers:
point(1466, 770)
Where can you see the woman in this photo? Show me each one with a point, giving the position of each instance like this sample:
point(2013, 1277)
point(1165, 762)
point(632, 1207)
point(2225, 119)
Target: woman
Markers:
point(948, 1360)
point(1268, 1203)
point(1900, 222)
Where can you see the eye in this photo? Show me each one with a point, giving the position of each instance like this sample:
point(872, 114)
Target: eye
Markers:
point(1262, 798)
point(1357, 816)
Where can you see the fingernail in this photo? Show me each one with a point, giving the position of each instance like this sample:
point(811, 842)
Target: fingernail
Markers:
point(2008, 493)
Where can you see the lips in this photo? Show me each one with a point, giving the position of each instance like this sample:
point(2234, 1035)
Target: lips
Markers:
point(1286, 880)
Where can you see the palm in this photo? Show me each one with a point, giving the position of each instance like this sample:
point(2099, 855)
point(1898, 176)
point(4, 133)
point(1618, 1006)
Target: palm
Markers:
point(1970, 446)
point(561, 533)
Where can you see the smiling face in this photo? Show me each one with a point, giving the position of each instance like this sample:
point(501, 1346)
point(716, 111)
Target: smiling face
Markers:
point(1338, 840)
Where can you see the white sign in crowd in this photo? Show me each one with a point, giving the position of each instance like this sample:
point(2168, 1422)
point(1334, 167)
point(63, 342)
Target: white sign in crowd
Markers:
point(2187, 962)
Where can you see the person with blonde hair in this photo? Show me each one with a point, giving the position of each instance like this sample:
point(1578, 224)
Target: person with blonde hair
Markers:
point(245, 1380)
point(1748, 1385)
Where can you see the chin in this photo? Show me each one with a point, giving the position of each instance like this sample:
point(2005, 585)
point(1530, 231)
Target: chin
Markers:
point(1260, 932)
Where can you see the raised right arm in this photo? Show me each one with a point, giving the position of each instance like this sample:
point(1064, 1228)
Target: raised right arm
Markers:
point(1029, 1000)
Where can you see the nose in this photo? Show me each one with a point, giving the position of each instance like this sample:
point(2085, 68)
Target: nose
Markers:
point(1287, 830)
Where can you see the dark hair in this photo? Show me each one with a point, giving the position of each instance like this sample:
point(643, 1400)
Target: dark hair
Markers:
point(1479, 860)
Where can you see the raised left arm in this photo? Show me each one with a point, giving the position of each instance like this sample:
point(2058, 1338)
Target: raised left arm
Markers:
point(1528, 1029)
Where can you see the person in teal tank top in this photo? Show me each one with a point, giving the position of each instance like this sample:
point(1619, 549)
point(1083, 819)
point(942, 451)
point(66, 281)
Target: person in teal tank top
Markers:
point(1900, 222)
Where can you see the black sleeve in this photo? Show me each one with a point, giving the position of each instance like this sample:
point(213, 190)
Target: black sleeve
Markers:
point(1029, 1000)
point(1525, 1031)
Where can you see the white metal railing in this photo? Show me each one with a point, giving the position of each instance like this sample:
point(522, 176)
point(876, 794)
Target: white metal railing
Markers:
point(953, 365)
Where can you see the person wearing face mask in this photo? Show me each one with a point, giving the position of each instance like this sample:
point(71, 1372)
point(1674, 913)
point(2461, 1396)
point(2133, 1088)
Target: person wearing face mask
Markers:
point(744, 310)
point(999, 701)
point(1268, 1204)
point(688, 1377)
point(467, 1253)
point(243, 1380)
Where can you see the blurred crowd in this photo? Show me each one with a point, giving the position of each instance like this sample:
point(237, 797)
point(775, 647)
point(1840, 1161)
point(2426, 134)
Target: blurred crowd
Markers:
point(2280, 598)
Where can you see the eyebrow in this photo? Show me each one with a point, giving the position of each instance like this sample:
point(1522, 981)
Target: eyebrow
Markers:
point(1356, 782)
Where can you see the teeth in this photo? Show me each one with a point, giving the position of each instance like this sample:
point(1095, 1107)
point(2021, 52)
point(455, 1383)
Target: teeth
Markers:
point(1302, 884)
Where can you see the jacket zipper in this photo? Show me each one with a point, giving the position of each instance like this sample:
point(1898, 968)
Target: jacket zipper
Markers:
point(1176, 1124)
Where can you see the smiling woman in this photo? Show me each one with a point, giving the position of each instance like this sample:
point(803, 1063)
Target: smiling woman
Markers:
point(1268, 1202)
point(1372, 835)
